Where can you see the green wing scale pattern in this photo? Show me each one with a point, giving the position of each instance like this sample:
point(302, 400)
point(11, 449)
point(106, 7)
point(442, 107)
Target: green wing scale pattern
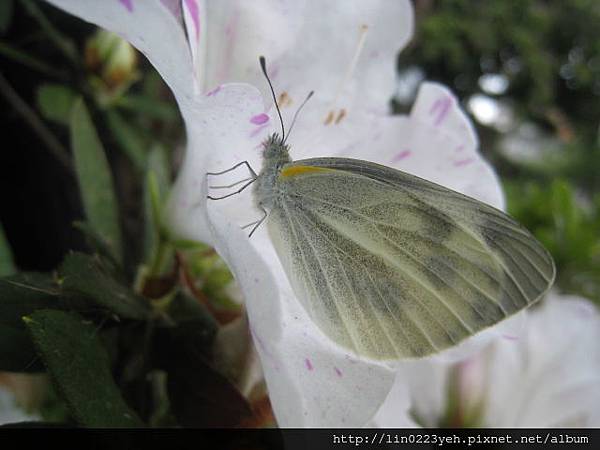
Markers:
point(392, 266)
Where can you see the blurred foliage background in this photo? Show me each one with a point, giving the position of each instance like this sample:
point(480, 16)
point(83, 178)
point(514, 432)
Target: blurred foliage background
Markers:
point(92, 135)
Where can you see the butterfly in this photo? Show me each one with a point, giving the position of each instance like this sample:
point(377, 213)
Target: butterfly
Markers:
point(389, 265)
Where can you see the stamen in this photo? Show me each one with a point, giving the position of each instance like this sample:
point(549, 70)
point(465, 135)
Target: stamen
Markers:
point(340, 116)
point(362, 36)
point(284, 100)
point(329, 118)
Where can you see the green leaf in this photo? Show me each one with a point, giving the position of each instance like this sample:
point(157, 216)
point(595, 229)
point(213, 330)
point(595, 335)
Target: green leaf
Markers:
point(148, 106)
point(7, 265)
point(86, 275)
point(55, 102)
point(17, 353)
point(80, 369)
point(128, 138)
point(188, 244)
point(184, 310)
point(97, 244)
point(23, 293)
point(95, 179)
point(6, 14)
point(200, 396)
point(155, 191)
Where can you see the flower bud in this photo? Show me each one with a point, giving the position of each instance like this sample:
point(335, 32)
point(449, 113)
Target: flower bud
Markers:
point(112, 61)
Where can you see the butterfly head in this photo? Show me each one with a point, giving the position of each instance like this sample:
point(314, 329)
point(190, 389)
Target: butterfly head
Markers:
point(275, 149)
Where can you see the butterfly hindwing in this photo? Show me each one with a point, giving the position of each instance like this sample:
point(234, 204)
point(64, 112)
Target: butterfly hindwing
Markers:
point(391, 266)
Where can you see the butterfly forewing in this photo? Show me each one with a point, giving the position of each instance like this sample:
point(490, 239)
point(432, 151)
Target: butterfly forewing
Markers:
point(391, 266)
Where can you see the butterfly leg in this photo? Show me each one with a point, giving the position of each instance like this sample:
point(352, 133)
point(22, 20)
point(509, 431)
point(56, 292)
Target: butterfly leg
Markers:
point(246, 163)
point(256, 223)
point(210, 197)
point(249, 180)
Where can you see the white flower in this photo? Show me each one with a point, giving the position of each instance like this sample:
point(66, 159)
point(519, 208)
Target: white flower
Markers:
point(346, 54)
point(549, 376)
point(10, 412)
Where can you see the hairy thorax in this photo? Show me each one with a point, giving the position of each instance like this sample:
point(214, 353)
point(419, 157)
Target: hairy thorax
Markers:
point(275, 156)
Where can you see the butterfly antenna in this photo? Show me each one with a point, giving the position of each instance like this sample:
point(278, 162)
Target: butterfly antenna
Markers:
point(263, 66)
point(310, 94)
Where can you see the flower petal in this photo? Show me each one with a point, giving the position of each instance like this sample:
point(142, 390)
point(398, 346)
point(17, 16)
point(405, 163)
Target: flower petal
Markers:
point(395, 411)
point(309, 379)
point(10, 412)
point(374, 138)
point(550, 377)
point(435, 142)
point(310, 45)
point(151, 27)
point(220, 134)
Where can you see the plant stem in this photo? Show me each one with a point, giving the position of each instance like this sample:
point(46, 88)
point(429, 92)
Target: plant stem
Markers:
point(37, 125)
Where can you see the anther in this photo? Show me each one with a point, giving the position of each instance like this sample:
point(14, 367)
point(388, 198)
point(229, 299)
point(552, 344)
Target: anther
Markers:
point(284, 100)
point(329, 118)
point(340, 116)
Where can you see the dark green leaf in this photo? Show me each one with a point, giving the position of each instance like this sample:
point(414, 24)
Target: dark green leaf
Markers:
point(55, 102)
point(7, 265)
point(202, 397)
point(97, 243)
point(95, 179)
point(195, 324)
point(80, 369)
point(6, 14)
point(23, 293)
point(128, 138)
point(199, 395)
point(86, 276)
point(17, 353)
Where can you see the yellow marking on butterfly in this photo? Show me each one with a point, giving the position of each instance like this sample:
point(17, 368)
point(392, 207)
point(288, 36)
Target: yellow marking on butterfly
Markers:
point(300, 170)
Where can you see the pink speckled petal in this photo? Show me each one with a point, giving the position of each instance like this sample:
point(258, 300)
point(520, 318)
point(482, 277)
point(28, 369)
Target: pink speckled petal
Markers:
point(419, 143)
point(174, 6)
point(311, 382)
point(152, 28)
point(547, 377)
point(194, 19)
point(309, 45)
point(550, 376)
point(128, 4)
